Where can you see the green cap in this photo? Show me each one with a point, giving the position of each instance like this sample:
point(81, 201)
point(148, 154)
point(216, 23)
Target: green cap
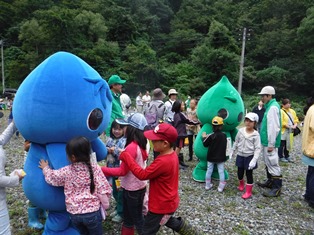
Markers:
point(115, 79)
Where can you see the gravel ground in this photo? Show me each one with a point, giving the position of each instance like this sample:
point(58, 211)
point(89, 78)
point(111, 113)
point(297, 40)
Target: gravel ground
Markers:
point(212, 212)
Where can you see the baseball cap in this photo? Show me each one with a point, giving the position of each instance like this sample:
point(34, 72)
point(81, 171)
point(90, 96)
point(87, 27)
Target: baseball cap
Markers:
point(163, 131)
point(267, 90)
point(115, 79)
point(137, 120)
point(217, 121)
point(252, 116)
point(172, 92)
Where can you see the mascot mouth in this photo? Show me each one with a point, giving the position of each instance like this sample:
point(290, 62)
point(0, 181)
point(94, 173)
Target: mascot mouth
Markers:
point(229, 124)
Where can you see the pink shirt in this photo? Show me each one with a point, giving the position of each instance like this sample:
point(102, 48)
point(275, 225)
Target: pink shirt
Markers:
point(75, 179)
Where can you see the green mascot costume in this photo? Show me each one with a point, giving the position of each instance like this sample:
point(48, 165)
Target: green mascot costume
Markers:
point(220, 100)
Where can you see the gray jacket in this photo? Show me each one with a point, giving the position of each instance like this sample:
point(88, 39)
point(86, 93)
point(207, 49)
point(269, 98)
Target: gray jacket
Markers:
point(247, 145)
point(6, 181)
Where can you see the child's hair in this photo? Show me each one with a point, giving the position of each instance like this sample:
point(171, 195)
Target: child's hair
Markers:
point(80, 147)
point(114, 124)
point(137, 135)
point(176, 107)
point(217, 128)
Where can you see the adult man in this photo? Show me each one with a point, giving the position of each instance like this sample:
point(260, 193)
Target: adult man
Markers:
point(115, 83)
point(172, 94)
point(270, 138)
point(146, 99)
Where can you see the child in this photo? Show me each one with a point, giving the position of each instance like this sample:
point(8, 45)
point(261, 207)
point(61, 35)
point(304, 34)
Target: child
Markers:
point(217, 144)
point(179, 122)
point(192, 130)
point(115, 144)
point(85, 187)
point(133, 188)
point(163, 174)
point(247, 148)
point(6, 181)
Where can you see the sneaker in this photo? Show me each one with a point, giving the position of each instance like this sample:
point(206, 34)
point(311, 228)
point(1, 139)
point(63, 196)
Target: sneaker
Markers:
point(289, 159)
point(221, 186)
point(208, 186)
point(283, 159)
point(117, 219)
point(113, 214)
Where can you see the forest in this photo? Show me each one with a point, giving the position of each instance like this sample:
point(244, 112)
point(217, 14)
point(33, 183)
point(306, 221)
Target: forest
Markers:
point(184, 44)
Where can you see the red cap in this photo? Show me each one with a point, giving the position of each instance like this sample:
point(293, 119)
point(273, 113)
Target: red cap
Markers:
point(163, 131)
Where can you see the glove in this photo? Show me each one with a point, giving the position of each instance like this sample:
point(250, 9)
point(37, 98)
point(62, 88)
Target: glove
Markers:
point(252, 164)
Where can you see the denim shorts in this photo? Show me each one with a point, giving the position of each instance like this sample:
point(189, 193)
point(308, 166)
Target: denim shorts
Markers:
point(89, 223)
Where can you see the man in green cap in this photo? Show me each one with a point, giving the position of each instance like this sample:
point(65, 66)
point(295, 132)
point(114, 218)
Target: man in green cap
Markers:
point(115, 83)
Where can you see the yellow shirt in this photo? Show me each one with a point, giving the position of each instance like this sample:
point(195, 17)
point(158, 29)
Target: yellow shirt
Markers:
point(285, 120)
point(308, 133)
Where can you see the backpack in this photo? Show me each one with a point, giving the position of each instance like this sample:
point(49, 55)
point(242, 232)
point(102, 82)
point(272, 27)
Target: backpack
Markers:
point(151, 115)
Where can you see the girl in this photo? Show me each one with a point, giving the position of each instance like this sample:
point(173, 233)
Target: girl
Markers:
point(217, 145)
point(115, 144)
point(133, 188)
point(85, 187)
point(247, 146)
point(179, 122)
point(6, 181)
point(192, 130)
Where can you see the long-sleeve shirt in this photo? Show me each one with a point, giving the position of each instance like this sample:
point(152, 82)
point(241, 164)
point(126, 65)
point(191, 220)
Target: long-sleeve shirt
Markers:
point(308, 136)
point(217, 147)
point(128, 180)
point(163, 175)
point(180, 121)
point(6, 181)
point(75, 179)
point(271, 125)
point(285, 120)
point(247, 144)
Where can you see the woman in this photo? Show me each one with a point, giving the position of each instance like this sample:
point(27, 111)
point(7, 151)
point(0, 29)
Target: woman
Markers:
point(308, 149)
point(289, 122)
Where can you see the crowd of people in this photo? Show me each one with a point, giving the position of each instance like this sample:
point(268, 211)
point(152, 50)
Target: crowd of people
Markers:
point(165, 127)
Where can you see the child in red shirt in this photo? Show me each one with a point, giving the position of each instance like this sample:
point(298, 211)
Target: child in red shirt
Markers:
point(163, 174)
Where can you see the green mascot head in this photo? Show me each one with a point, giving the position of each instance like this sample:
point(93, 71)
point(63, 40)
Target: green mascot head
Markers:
point(224, 101)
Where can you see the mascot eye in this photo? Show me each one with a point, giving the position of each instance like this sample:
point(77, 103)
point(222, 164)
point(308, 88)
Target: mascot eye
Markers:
point(240, 116)
point(95, 119)
point(223, 113)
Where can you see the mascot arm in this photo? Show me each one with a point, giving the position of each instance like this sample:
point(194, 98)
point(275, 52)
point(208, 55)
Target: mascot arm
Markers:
point(115, 171)
point(233, 134)
point(100, 149)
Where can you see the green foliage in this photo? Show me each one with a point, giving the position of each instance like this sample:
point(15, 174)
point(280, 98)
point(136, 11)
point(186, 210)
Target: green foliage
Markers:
point(186, 44)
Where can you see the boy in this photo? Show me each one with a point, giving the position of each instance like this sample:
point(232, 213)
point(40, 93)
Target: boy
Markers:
point(163, 174)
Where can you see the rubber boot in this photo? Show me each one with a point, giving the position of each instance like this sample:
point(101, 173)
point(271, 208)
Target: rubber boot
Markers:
point(248, 191)
point(127, 231)
point(267, 183)
point(187, 229)
point(241, 185)
point(276, 187)
point(33, 218)
point(221, 186)
point(181, 160)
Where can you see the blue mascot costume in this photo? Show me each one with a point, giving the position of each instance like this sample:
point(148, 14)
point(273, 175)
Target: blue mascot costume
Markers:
point(61, 98)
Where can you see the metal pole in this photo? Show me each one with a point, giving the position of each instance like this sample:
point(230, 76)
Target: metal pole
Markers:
point(2, 65)
point(242, 62)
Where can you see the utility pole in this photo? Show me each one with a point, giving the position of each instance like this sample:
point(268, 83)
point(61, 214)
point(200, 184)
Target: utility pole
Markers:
point(242, 61)
point(2, 65)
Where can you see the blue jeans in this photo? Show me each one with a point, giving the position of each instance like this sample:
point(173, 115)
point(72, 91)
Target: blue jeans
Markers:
point(220, 167)
point(132, 209)
point(89, 223)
